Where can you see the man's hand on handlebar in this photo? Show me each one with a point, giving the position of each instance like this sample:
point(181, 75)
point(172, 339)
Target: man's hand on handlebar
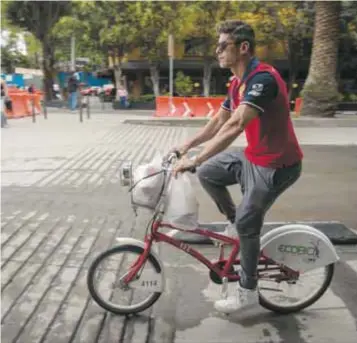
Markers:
point(179, 151)
point(184, 164)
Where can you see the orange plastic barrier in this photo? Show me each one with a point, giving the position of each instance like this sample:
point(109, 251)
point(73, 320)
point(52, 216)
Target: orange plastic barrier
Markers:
point(187, 107)
point(22, 103)
point(162, 106)
point(298, 104)
point(19, 106)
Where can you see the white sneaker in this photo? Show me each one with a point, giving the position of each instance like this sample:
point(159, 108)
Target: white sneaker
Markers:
point(229, 231)
point(242, 300)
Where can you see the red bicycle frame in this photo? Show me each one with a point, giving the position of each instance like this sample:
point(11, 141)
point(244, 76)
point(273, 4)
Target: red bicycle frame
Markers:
point(156, 236)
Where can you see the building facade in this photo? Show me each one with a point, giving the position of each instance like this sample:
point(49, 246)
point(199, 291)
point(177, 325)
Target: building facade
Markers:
point(189, 59)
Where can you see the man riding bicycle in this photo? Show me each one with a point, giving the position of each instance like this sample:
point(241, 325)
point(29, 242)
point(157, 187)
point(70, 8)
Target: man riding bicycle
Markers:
point(257, 104)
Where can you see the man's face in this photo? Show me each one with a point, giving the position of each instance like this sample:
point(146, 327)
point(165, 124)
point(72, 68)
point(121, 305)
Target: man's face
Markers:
point(227, 52)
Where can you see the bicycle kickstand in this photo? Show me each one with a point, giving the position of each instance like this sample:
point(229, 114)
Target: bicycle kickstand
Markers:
point(224, 289)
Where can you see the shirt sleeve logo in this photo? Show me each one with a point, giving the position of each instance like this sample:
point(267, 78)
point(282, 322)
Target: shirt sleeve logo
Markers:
point(256, 89)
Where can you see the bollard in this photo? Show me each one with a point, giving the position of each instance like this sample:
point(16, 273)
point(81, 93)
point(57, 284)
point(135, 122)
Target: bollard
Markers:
point(80, 108)
point(88, 110)
point(102, 97)
point(81, 113)
point(44, 108)
point(33, 108)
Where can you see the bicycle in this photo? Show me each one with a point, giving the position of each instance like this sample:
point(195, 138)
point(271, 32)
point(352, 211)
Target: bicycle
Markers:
point(287, 254)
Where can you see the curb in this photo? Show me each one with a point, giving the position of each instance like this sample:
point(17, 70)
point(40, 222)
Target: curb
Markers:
point(348, 121)
point(194, 122)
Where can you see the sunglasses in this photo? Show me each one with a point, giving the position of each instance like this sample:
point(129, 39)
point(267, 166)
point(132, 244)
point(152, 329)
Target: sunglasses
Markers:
point(223, 46)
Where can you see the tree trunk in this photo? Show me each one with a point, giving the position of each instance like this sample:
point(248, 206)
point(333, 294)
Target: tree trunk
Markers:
point(320, 93)
point(47, 70)
point(293, 59)
point(155, 75)
point(117, 77)
point(37, 60)
point(207, 74)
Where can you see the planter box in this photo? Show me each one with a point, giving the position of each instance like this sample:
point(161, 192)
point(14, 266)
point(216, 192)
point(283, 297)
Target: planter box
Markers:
point(341, 106)
point(143, 105)
point(347, 106)
point(135, 106)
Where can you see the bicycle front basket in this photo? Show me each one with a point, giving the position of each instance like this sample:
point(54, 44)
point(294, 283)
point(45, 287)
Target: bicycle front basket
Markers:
point(147, 191)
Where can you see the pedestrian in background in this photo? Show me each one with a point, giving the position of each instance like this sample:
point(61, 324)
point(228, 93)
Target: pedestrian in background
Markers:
point(73, 84)
point(4, 99)
point(123, 96)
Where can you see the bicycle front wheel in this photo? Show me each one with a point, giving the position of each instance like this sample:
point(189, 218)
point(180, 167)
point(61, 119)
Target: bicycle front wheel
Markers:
point(294, 295)
point(106, 283)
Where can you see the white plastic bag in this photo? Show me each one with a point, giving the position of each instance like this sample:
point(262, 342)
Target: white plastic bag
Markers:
point(147, 189)
point(181, 208)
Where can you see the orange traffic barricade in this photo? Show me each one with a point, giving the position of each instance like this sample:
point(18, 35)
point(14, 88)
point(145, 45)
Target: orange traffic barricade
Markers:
point(22, 103)
point(298, 104)
point(187, 106)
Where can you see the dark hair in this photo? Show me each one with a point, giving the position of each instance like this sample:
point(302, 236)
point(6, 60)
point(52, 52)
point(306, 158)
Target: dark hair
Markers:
point(239, 31)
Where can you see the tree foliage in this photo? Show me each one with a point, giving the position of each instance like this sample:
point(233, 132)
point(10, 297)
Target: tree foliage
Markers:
point(281, 29)
point(348, 41)
point(155, 21)
point(84, 22)
point(117, 32)
point(39, 17)
point(183, 84)
point(12, 58)
point(204, 17)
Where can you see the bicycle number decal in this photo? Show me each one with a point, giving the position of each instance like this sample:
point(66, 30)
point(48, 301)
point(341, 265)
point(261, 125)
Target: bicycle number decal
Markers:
point(151, 283)
point(149, 280)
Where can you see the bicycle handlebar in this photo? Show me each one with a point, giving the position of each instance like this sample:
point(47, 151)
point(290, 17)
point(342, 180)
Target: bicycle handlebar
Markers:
point(173, 155)
point(177, 155)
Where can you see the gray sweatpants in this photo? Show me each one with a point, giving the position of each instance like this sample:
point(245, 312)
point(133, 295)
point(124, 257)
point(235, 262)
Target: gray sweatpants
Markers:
point(260, 188)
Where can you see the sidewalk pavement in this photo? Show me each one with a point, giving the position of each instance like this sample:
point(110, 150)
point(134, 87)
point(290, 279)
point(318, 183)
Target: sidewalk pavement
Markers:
point(62, 205)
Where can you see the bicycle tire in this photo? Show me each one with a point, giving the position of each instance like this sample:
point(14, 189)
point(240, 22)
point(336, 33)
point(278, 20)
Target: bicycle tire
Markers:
point(104, 304)
point(291, 309)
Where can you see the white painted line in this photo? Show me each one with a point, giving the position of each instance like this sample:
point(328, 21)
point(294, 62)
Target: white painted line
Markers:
point(187, 108)
point(211, 109)
point(172, 110)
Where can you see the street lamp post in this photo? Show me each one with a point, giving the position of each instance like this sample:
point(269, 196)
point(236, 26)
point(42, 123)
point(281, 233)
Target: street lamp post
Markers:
point(171, 81)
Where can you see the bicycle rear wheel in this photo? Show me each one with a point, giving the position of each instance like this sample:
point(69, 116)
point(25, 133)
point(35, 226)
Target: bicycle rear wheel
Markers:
point(106, 284)
point(294, 295)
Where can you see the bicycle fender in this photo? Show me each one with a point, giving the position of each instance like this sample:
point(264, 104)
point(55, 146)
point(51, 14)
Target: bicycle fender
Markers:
point(132, 241)
point(299, 247)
